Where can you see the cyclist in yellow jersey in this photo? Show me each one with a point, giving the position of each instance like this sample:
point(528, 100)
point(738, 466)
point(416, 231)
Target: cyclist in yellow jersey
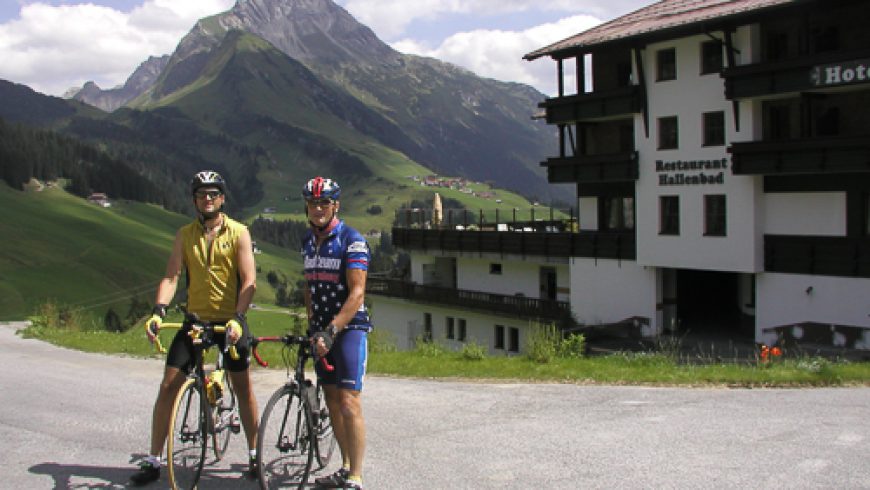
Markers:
point(217, 256)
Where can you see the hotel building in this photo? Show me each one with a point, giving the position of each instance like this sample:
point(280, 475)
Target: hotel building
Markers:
point(721, 156)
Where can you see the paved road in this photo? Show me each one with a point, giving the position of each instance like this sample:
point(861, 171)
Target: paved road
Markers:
point(76, 420)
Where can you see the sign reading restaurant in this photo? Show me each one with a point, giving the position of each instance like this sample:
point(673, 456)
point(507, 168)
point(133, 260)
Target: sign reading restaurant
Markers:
point(856, 71)
point(672, 173)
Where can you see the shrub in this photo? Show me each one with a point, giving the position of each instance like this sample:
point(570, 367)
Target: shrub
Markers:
point(50, 315)
point(473, 351)
point(543, 343)
point(429, 349)
point(573, 346)
point(381, 341)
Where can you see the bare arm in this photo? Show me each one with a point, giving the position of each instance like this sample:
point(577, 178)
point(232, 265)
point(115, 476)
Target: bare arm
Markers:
point(247, 273)
point(167, 286)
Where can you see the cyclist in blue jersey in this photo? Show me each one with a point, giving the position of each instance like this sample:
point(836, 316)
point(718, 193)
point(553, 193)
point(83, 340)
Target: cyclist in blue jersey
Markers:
point(336, 259)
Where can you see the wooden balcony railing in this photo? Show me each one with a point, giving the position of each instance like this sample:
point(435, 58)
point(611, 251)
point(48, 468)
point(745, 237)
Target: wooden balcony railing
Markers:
point(822, 255)
point(604, 245)
point(613, 167)
point(513, 306)
point(787, 76)
point(593, 105)
point(838, 154)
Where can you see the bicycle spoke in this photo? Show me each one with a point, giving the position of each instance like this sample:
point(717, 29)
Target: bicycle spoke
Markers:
point(284, 441)
point(187, 439)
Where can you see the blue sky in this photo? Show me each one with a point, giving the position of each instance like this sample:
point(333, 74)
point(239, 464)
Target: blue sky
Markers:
point(53, 45)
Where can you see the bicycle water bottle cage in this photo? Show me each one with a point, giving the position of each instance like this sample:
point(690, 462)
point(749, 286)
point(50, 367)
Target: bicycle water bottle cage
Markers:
point(214, 388)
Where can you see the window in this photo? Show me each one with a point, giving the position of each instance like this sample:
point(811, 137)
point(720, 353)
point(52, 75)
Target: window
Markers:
point(499, 336)
point(825, 39)
point(462, 334)
point(449, 328)
point(714, 128)
point(828, 122)
point(666, 64)
point(514, 339)
point(427, 327)
point(777, 122)
point(669, 215)
point(495, 269)
point(711, 57)
point(714, 215)
point(618, 213)
point(776, 46)
point(668, 136)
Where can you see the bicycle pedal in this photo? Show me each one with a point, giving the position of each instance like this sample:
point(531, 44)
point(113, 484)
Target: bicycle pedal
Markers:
point(234, 424)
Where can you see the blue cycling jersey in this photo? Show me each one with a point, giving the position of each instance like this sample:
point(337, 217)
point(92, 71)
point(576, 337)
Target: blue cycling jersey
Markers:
point(326, 273)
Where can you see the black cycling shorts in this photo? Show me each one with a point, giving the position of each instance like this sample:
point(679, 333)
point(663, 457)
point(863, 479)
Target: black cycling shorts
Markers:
point(180, 354)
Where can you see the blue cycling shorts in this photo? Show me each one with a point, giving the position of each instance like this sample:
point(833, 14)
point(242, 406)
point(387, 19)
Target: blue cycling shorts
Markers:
point(348, 355)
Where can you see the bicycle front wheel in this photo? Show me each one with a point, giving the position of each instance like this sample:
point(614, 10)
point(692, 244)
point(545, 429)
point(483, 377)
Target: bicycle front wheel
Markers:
point(322, 429)
point(285, 440)
point(225, 416)
point(185, 446)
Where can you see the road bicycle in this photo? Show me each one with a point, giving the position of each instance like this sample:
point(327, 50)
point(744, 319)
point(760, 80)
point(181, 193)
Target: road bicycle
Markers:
point(205, 407)
point(295, 430)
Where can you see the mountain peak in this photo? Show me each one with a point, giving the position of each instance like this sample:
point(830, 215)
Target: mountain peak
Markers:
point(307, 29)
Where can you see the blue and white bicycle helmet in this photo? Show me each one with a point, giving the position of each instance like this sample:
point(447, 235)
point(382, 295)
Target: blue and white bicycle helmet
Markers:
point(321, 188)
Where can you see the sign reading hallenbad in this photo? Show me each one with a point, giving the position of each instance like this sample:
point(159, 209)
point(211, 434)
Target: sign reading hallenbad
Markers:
point(855, 71)
point(675, 173)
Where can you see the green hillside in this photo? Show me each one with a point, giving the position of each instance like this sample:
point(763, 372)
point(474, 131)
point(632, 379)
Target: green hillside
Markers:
point(60, 247)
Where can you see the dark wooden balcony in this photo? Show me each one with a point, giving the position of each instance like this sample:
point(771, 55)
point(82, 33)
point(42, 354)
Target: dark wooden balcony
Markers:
point(511, 306)
point(614, 167)
point(810, 156)
point(789, 76)
point(822, 255)
point(603, 245)
point(623, 101)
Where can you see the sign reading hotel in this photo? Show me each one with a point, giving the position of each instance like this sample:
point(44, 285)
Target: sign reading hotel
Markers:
point(857, 71)
point(674, 173)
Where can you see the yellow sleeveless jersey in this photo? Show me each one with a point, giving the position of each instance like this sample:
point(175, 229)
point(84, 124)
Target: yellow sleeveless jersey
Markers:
point(212, 272)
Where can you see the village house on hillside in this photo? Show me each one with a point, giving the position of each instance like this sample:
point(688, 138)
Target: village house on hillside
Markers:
point(100, 199)
point(721, 156)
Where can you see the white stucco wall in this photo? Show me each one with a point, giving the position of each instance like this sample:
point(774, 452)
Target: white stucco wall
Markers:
point(517, 276)
point(689, 97)
point(783, 299)
point(404, 322)
point(606, 291)
point(806, 213)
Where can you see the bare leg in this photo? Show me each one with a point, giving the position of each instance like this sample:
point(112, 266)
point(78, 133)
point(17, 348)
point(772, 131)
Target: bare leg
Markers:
point(354, 429)
point(173, 378)
point(247, 405)
point(333, 401)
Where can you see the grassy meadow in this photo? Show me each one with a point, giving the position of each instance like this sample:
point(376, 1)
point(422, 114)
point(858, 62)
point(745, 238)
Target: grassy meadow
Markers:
point(59, 248)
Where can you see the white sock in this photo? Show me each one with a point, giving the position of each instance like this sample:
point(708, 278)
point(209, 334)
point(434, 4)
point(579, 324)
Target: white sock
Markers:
point(252, 453)
point(153, 460)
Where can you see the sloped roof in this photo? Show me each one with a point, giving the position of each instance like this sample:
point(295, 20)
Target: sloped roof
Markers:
point(659, 16)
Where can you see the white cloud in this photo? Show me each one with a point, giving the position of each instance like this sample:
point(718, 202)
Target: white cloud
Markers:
point(391, 18)
point(498, 54)
point(52, 48)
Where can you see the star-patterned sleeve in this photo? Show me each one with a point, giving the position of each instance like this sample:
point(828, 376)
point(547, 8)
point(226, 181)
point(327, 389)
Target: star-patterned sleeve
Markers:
point(358, 254)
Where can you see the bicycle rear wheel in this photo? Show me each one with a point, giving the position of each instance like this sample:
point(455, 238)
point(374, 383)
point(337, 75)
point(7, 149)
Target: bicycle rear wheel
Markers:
point(285, 440)
point(225, 416)
point(185, 446)
point(323, 429)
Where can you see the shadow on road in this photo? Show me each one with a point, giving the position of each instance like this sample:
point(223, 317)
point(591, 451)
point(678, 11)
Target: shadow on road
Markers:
point(67, 476)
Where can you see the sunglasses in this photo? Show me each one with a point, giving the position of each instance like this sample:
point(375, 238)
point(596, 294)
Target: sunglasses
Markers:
point(208, 194)
point(319, 202)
